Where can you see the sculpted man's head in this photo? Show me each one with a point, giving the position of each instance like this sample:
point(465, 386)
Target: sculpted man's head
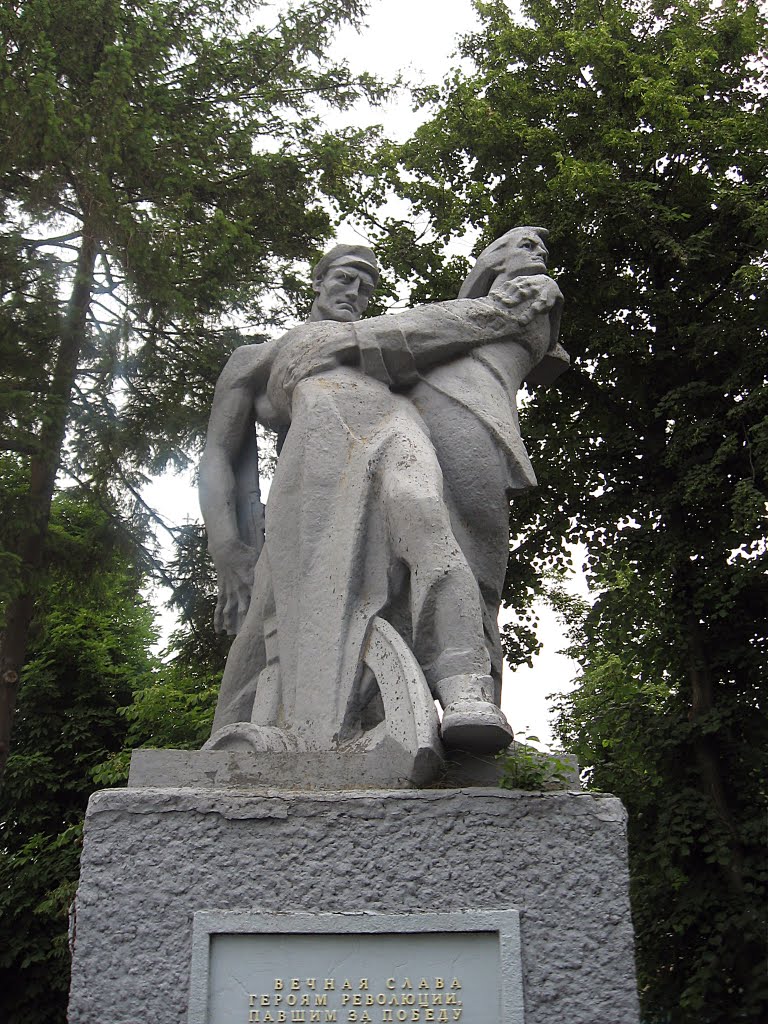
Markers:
point(344, 281)
point(521, 252)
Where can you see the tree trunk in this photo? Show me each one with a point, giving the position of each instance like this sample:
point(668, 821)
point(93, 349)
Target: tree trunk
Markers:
point(711, 781)
point(705, 748)
point(44, 465)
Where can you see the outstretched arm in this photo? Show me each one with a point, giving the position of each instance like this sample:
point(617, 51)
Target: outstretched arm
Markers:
point(241, 384)
point(398, 349)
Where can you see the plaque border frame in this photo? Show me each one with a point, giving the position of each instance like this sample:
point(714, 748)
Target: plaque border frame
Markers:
point(504, 923)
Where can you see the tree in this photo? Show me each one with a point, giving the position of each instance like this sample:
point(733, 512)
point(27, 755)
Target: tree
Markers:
point(161, 166)
point(175, 707)
point(636, 131)
point(89, 650)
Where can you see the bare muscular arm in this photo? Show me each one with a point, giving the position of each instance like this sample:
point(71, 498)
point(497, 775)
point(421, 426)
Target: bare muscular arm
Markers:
point(241, 386)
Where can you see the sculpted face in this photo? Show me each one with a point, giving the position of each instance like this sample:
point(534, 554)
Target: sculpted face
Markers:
point(343, 293)
point(521, 253)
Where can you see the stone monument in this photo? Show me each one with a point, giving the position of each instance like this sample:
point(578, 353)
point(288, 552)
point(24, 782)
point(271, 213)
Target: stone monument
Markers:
point(290, 871)
point(387, 520)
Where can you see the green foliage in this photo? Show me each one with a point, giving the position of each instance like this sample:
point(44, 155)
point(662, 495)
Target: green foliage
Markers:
point(163, 169)
point(693, 782)
point(636, 132)
point(11, 490)
point(89, 650)
point(176, 711)
point(525, 767)
point(182, 137)
point(175, 707)
point(194, 598)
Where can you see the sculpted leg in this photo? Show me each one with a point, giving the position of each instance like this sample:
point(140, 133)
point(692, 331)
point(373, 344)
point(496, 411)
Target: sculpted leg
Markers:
point(477, 481)
point(448, 634)
point(446, 620)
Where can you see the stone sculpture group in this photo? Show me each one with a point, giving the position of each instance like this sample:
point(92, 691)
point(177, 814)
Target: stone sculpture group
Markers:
point(387, 522)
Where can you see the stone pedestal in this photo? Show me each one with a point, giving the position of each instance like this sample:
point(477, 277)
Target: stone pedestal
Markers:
point(154, 858)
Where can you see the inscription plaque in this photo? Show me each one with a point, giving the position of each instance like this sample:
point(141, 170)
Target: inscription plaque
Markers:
point(250, 968)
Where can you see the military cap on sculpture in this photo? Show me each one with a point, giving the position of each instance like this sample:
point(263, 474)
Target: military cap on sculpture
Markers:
point(346, 255)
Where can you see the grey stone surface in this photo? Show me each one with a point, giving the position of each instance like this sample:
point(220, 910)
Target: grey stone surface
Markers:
point(390, 499)
point(389, 765)
point(404, 748)
point(153, 858)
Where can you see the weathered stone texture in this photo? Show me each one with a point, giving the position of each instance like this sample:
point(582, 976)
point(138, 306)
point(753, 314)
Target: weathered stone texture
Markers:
point(154, 857)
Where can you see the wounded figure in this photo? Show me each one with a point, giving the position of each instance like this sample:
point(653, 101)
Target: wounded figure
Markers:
point(390, 500)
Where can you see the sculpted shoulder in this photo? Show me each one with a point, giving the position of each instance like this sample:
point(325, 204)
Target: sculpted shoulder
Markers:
point(248, 365)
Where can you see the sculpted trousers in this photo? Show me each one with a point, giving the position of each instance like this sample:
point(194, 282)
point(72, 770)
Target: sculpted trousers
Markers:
point(247, 655)
point(432, 583)
point(430, 592)
point(478, 482)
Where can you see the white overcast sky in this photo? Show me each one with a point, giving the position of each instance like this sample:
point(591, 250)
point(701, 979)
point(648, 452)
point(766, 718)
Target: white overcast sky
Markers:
point(415, 37)
point(419, 38)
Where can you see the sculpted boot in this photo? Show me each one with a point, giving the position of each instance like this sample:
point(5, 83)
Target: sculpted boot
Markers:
point(471, 719)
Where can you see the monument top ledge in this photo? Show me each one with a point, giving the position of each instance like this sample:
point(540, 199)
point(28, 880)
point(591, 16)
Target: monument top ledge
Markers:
point(389, 766)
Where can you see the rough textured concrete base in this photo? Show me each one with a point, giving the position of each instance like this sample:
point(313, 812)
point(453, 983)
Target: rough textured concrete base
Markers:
point(153, 857)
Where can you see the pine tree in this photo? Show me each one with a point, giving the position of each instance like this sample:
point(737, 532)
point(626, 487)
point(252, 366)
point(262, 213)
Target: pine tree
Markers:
point(161, 170)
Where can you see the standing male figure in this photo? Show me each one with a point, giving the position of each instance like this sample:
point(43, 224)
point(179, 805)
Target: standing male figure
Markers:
point(469, 407)
point(357, 522)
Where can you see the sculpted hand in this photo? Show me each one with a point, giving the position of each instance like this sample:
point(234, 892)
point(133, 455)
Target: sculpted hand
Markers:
point(531, 296)
point(235, 564)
